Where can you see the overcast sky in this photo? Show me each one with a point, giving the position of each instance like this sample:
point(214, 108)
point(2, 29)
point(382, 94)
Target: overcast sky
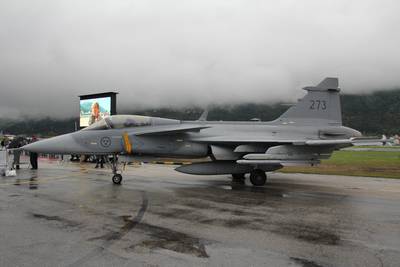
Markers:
point(174, 53)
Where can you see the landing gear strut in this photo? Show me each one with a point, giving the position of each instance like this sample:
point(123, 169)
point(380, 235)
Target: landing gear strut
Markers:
point(238, 178)
point(258, 177)
point(117, 178)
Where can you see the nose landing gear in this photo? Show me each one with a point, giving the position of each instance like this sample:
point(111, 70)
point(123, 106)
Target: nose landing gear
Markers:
point(117, 178)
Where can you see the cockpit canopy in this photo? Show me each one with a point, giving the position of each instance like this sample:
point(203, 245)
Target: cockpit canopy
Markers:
point(128, 121)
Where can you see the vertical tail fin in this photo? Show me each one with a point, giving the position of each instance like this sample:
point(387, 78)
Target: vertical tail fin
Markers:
point(204, 115)
point(321, 105)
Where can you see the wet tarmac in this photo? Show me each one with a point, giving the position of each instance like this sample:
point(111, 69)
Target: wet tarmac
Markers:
point(67, 214)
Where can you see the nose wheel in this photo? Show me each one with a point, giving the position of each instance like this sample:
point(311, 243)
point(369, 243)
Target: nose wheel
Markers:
point(117, 178)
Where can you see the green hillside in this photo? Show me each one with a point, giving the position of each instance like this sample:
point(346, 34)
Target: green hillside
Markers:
point(372, 114)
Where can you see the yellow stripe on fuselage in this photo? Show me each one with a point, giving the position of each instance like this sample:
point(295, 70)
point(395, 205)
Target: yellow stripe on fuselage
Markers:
point(127, 143)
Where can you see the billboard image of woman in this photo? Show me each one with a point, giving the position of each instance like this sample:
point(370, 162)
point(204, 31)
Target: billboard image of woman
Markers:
point(95, 113)
point(92, 110)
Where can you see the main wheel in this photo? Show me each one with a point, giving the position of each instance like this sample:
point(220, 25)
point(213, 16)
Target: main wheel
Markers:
point(258, 177)
point(117, 179)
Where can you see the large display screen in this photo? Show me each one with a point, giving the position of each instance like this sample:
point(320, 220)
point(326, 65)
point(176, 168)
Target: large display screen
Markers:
point(94, 109)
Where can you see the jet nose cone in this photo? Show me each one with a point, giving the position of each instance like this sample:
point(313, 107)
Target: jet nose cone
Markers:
point(54, 145)
point(29, 147)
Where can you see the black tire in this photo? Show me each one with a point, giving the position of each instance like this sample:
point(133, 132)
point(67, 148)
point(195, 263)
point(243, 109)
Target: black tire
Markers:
point(258, 177)
point(238, 176)
point(117, 179)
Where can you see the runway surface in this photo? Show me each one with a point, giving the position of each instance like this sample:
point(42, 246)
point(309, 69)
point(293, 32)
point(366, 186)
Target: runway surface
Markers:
point(67, 214)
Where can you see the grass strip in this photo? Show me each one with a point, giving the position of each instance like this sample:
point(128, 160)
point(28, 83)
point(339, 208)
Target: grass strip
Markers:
point(355, 163)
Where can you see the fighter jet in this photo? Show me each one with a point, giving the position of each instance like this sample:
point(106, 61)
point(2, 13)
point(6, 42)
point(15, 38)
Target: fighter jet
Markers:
point(306, 133)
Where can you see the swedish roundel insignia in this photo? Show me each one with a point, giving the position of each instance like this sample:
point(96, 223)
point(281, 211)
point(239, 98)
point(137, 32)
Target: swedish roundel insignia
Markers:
point(105, 141)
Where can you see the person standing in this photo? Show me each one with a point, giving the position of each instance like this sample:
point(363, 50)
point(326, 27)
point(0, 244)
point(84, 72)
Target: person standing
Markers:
point(33, 156)
point(4, 143)
point(99, 161)
point(15, 145)
point(17, 156)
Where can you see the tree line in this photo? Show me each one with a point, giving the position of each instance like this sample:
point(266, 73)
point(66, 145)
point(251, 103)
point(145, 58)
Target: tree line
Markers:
point(372, 114)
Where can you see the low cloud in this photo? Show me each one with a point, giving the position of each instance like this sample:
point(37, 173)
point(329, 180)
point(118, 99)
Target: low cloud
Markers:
point(179, 53)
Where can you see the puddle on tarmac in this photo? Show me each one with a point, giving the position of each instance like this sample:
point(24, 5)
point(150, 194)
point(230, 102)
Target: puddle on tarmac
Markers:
point(309, 233)
point(305, 263)
point(33, 183)
point(164, 238)
point(231, 223)
point(245, 196)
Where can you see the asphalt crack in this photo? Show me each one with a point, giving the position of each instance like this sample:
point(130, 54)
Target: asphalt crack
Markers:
point(59, 219)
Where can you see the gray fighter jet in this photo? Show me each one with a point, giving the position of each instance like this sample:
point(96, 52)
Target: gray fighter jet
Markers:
point(306, 133)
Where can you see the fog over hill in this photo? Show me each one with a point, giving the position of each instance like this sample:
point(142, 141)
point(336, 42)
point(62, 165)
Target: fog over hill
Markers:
point(375, 113)
point(178, 53)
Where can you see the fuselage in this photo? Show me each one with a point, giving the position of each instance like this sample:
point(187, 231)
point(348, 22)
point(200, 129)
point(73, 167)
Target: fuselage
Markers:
point(306, 133)
point(191, 144)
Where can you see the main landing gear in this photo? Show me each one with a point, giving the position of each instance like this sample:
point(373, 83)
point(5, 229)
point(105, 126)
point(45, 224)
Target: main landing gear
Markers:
point(258, 177)
point(238, 178)
point(117, 178)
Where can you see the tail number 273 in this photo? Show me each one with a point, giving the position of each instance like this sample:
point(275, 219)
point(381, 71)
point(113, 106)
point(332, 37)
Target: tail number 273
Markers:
point(318, 104)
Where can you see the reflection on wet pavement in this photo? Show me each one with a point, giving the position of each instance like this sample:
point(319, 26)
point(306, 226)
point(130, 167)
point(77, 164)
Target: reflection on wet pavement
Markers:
point(160, 217)
point(171, 240)
point(33, 183)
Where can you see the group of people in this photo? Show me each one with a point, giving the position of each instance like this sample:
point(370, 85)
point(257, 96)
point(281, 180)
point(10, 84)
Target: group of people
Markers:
point(392, 140)
point(14, 146)
point(18, 142)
